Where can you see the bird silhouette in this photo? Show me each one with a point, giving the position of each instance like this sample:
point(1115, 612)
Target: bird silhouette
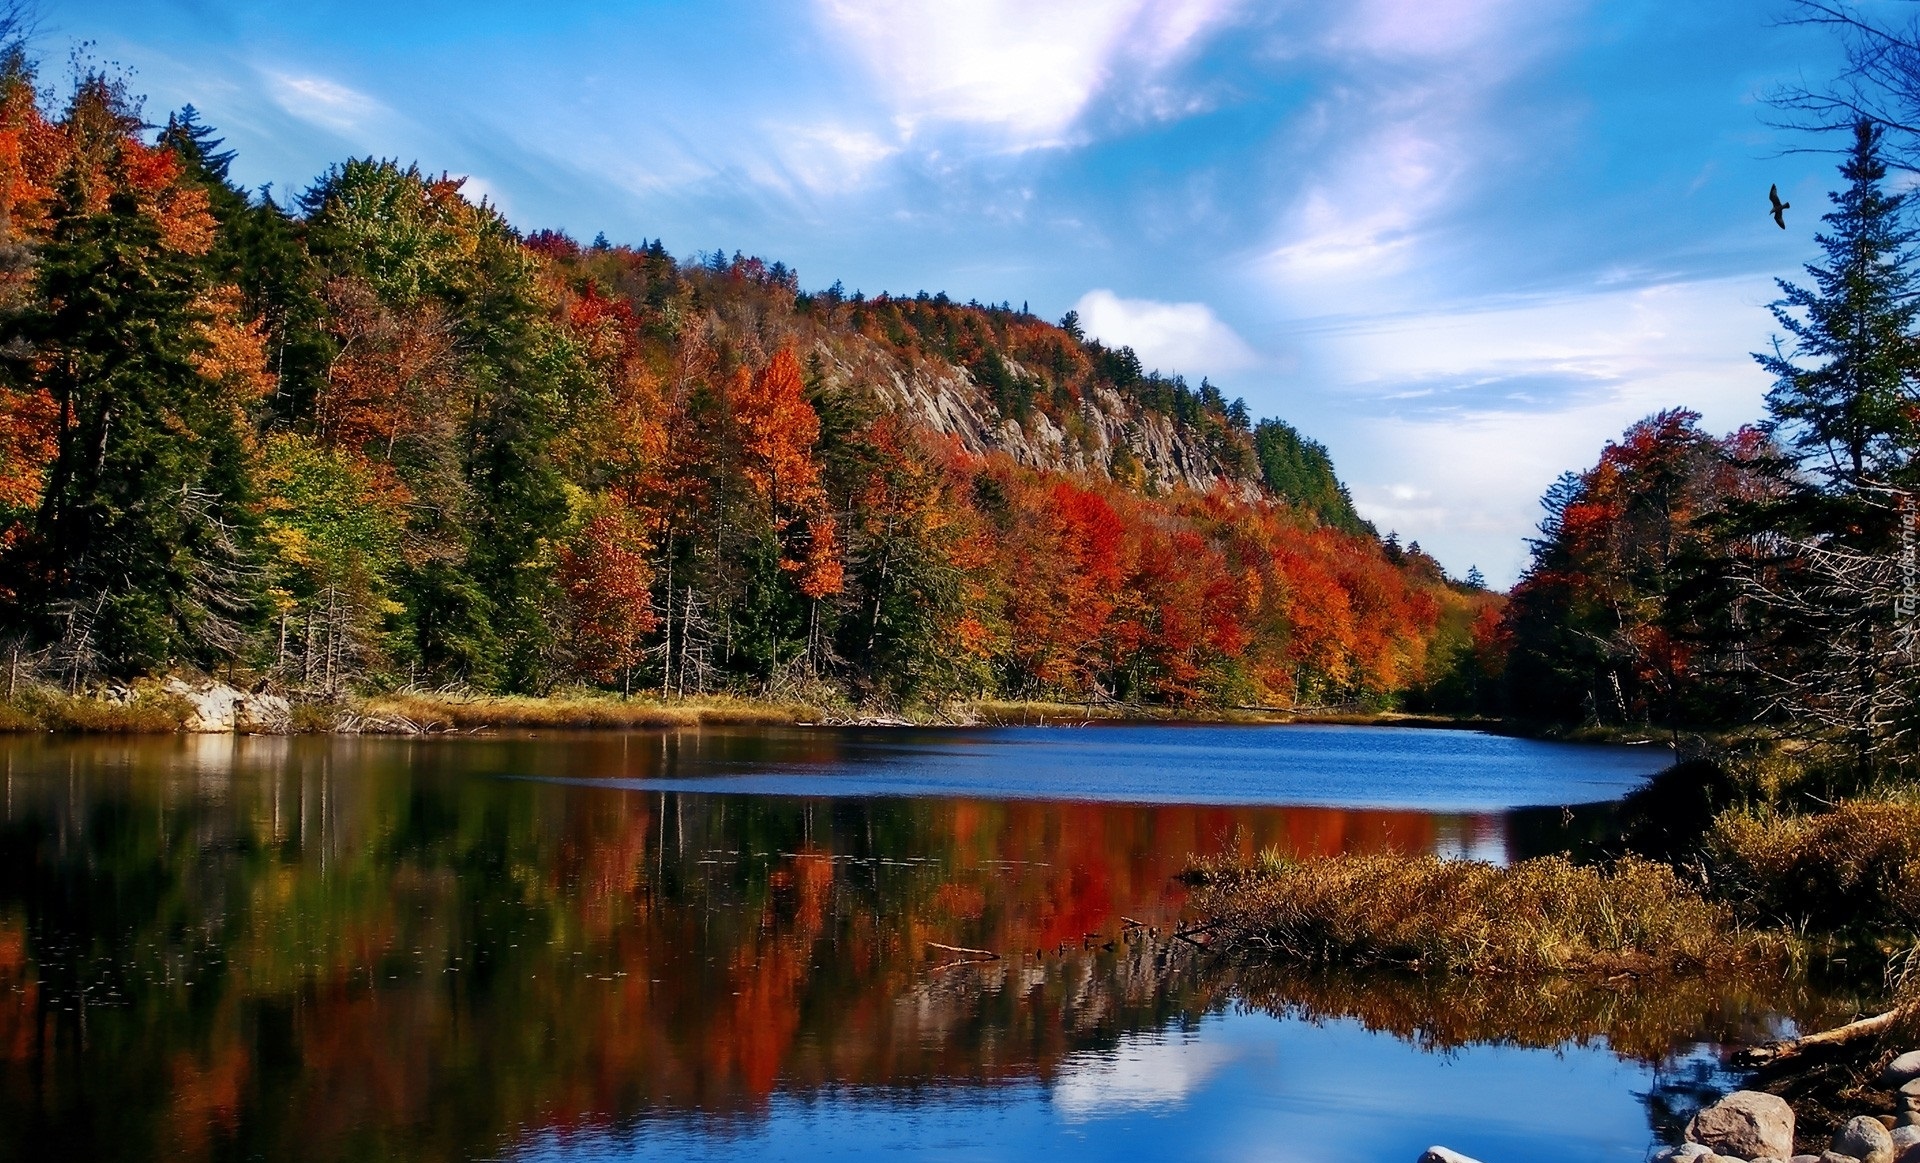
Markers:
point(1779, 208)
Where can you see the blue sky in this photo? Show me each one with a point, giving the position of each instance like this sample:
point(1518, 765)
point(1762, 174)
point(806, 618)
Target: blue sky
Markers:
point(1462, 242)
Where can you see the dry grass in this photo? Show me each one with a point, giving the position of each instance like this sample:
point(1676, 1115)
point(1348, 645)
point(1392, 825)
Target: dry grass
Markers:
point(147, 711)
point(1852, 870)
point(1539, 916)
point(583, 711)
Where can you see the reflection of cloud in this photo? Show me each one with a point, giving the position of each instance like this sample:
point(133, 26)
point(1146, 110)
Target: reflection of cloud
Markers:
point(1186, 337)
point(324, 103)
point(1027, 68)
point(1142, 1071)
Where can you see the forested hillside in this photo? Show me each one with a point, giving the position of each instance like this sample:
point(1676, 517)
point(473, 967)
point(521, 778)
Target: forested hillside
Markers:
point(375, 435)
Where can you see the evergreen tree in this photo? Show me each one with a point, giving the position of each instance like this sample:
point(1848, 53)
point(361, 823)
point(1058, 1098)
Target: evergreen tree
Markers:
point(145, 531)
point(262, 250)
point(1300, 472)
point(1850, 413)
point(1844, 400)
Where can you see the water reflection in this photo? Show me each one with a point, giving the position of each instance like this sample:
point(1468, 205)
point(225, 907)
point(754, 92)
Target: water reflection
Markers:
point(341, 949)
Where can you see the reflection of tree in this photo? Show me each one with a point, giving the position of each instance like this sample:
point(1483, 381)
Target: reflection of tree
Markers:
point(1680, 1089)
point(310, 949)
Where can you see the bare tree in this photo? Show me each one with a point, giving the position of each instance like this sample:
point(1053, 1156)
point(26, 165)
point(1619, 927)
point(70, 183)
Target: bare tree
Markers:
point(1880, 81)
point(1857, 609)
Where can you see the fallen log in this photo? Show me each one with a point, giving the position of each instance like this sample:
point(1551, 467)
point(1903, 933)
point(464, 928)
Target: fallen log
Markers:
point(1772, 1052)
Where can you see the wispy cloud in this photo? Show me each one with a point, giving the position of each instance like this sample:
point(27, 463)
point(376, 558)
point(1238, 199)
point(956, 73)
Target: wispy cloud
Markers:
point(1412, 119)
point(1470, 414)
point(1023, 70)
point(324, 103)
point(1184, 337)
point(826, 158)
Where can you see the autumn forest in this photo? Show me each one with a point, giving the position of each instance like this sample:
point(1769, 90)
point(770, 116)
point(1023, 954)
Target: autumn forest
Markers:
point(374, 435)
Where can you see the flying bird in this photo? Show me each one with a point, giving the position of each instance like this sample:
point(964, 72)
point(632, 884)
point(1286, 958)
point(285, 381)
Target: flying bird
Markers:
point(1779, 208)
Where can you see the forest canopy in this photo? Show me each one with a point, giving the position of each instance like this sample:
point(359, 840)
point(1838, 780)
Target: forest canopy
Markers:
point(376, 435)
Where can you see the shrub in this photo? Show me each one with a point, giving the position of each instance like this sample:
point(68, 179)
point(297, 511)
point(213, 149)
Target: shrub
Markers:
point(1852, 870)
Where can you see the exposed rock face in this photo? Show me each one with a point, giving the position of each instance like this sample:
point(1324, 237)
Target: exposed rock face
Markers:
point(1746, 1124)
point(944, 399)
point(221, 709)
point(1443, 1155)
point(1864, 1139)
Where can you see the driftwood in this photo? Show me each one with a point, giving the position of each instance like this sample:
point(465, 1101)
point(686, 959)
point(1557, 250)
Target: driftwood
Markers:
point(988, 954)
point(1774, 1052)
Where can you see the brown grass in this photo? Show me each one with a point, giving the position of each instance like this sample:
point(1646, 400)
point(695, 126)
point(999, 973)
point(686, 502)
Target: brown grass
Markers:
point(1852, 870)
point(149, 711)
point(583, 711)
point(1539, 916)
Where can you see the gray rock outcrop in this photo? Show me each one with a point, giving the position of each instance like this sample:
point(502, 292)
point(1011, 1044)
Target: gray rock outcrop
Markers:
point(219, 709)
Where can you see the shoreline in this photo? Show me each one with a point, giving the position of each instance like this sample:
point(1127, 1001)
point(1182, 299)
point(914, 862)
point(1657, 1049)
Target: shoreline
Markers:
point(176, 706)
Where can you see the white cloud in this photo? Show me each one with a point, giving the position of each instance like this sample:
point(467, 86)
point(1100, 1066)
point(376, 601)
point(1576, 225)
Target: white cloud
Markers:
point(1025, 69)
point(1430, 28)
point(1469, 415)
point(828, 158)
point(327, 104)
point(1184, 337)
point(1414, 118)
point(1140, 1072)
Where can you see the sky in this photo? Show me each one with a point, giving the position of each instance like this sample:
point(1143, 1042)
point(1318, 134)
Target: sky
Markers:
point(1460, 242)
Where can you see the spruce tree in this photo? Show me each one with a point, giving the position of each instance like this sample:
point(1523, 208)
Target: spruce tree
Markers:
point(144, 530)
point(1843, 395)
point(1843, 402)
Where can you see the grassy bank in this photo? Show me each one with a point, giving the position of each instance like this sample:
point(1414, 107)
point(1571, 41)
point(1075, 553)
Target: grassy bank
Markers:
point(146, 707)
point(1544, 916)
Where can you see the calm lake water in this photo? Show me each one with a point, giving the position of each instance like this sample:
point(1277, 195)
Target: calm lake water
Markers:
point(728, 944)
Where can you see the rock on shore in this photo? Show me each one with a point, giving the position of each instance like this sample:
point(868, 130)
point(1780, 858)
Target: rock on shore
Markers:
point(219, 709)
point(1747, 1124)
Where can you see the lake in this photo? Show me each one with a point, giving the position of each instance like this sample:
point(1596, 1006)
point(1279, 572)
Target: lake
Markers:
point(753, 944)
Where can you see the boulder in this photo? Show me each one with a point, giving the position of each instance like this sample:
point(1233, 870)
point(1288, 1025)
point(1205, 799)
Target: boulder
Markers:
point(1836, 1157)
point(1443, 1155)
point(1905, 1068)
point(218, 709)
point(1747, 1124)
point(1864, 1139)
point(1804, 1159)
point(1908, 1093)
point(1904, 1137)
